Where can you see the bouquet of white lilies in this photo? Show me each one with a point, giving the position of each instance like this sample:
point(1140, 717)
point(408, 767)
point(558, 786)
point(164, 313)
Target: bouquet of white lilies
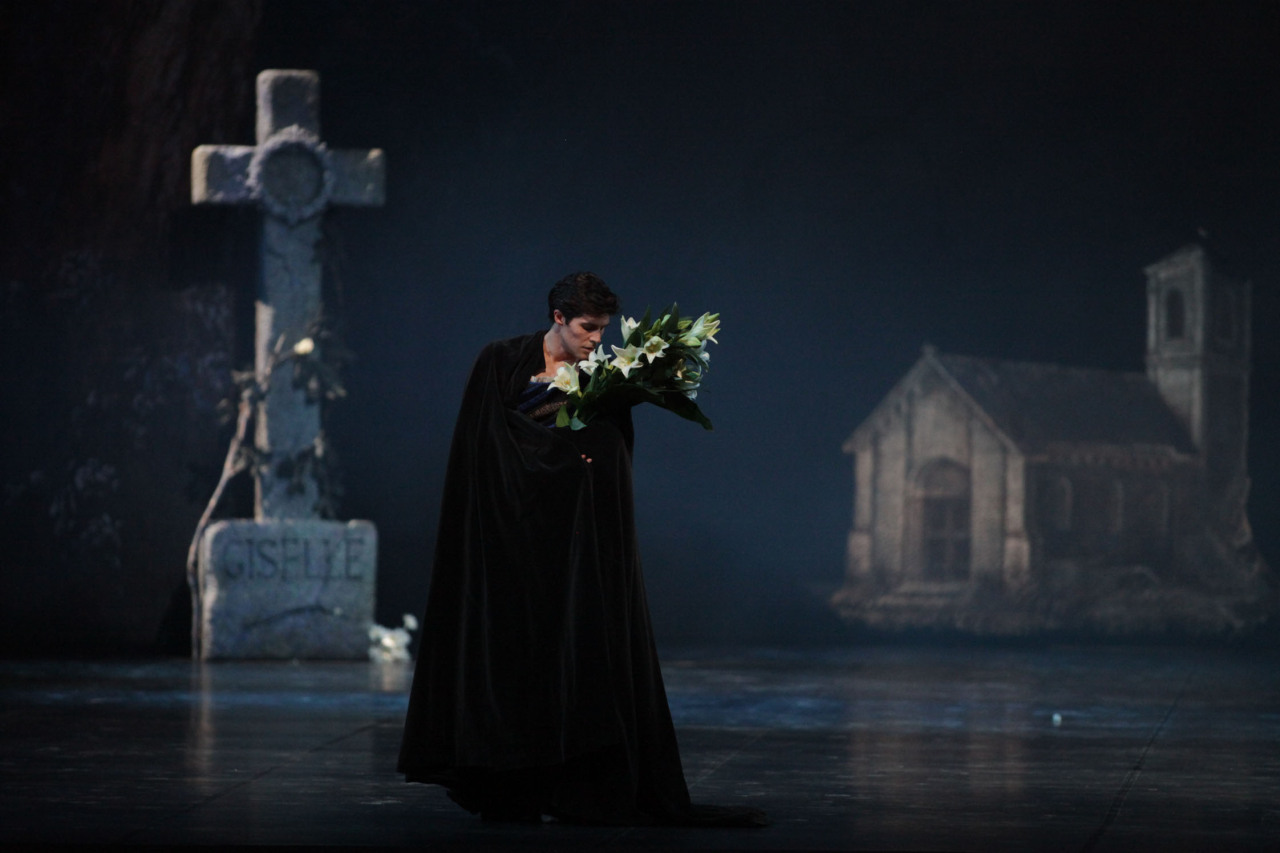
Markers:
point(660, 361)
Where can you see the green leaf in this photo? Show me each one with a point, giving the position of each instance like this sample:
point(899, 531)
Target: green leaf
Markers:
point(681, 405)
point(673, 320)
point(637, 334)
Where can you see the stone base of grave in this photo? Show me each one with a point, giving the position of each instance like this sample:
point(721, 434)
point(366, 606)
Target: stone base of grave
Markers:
point(286, 589)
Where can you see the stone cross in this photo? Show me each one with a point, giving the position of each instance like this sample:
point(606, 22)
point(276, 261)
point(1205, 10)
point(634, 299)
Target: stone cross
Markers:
point(287, 584)
point(293, 177)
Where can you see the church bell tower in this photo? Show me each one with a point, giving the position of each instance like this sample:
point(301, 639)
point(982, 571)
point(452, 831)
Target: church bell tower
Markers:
point(1198, 345)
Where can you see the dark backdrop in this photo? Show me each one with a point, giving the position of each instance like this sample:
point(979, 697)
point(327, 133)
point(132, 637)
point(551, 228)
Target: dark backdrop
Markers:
point(843, 182)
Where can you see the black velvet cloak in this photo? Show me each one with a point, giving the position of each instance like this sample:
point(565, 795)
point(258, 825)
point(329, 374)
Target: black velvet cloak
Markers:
point(537, 686)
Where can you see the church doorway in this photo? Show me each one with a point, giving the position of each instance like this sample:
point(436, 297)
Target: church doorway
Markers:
point(946, 539)
point(942, 489)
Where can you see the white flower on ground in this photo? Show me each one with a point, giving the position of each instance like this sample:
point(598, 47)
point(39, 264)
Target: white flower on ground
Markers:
point(388, 644)
point(566, 379)
point(654, 348)
point(589, 364)
point(625, 358)
point(304, 347)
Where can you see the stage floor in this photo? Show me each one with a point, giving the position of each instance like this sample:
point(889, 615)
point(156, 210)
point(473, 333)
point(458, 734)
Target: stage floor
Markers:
point(884, 747)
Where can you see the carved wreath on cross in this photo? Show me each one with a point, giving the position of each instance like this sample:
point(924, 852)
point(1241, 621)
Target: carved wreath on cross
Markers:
point(291, 174)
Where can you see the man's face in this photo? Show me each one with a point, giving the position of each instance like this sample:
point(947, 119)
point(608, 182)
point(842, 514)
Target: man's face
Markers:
point(581, 335)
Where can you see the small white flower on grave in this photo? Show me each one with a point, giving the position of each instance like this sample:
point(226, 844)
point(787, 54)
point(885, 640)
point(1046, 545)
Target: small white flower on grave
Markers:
point(387, 645)
point(304, 347)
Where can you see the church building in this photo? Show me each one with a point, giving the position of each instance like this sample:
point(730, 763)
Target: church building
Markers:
point(1004, 497)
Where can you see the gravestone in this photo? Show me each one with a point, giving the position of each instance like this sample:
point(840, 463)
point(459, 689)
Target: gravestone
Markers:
point(286, 584)
point(292, 588)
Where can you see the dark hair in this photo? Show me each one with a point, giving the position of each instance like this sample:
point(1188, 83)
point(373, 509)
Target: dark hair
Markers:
point(579, 294)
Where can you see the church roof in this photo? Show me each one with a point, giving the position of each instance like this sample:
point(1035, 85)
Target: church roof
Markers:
point(1037, 405)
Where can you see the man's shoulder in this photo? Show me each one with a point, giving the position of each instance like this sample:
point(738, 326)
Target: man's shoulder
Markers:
point(510, 348)
point(499, 360)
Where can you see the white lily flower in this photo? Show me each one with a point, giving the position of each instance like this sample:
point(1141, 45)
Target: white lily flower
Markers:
point(628, 326)
point(304, 347)
point(706, 327)
point(566, 379)
point(625, 358)
point(654, 348)
point(589, 364)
